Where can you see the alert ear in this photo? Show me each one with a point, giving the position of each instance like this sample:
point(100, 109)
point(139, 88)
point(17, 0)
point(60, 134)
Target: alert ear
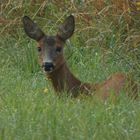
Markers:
point(66, 29)
point(32, 29)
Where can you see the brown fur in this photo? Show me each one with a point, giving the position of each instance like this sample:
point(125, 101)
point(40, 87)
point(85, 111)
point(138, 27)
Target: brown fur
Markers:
point(59, 74)
point(63, 80)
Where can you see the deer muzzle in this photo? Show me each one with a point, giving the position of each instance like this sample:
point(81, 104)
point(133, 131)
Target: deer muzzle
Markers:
point(48, 66)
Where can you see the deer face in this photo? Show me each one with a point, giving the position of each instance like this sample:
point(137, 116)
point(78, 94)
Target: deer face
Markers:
point(50, 48)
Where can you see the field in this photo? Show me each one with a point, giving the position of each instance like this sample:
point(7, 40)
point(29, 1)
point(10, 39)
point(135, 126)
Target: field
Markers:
point(105, 41)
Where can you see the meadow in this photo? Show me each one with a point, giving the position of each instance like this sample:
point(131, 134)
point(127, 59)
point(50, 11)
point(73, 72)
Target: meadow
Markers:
point(106, 40)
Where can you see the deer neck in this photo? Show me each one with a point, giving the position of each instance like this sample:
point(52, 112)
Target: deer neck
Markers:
point(63, 80)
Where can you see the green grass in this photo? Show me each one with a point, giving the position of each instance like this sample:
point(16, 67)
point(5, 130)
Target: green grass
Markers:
point(26, 112)
point(98, 48)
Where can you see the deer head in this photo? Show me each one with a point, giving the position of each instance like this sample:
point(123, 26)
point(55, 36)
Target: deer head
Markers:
point(50, 47)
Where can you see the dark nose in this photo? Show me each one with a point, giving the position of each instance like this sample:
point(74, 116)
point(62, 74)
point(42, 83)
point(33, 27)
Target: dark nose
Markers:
point(48, 66)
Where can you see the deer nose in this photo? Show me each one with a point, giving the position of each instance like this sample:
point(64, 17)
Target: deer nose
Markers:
point(48, 66)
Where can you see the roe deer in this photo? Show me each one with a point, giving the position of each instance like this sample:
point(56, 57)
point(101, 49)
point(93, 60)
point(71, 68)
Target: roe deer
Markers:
point(54, 64)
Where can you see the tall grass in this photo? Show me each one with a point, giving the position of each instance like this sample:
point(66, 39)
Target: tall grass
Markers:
point(104, 42)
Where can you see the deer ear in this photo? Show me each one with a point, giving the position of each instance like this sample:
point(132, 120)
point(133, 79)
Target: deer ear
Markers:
point(32, 29)
point(67, 28)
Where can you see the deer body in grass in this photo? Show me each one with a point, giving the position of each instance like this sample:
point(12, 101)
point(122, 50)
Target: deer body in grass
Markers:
point(54, 64)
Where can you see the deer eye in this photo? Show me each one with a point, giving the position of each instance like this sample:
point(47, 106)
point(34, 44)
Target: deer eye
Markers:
point(58, 49)
point(39, 49)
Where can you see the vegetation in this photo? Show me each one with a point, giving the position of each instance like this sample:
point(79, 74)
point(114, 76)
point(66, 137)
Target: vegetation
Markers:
point(106, 40)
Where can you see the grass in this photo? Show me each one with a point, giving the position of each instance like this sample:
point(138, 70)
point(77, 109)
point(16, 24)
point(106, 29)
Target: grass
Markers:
point(28, 113)
point(98, 48)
